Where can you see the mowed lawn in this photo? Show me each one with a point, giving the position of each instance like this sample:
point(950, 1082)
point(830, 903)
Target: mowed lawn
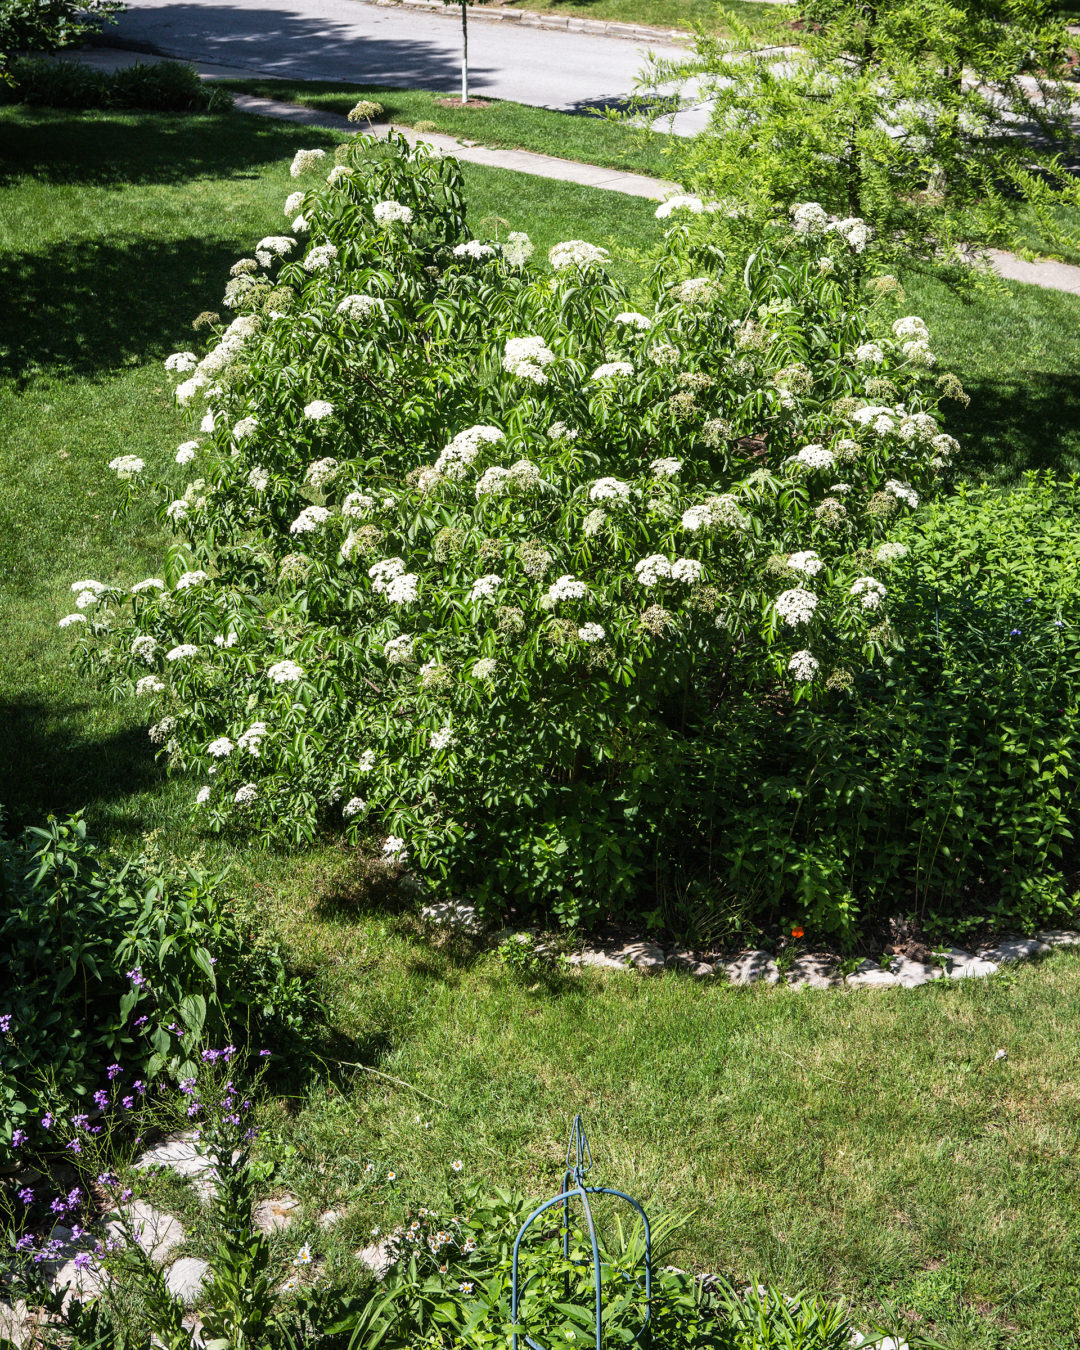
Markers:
point(867, 1145)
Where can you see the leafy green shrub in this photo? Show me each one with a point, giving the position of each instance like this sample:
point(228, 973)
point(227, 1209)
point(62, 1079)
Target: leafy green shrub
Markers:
point(45, 25)
point(105, 963)
point(940, 784)
point(481, 559)
point(164, 86)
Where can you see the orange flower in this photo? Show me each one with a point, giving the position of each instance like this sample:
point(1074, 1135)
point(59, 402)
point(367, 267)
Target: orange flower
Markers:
point(797, 931)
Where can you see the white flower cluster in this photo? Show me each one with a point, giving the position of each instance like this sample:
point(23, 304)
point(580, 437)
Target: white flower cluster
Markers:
point(683, 201)
point(182, 651)
point(150, 584)
point(392, 213)
point(318, 410)
point(522, 476)
point(869, 354)
point(144, 647)
point(652, 570)
point(613, 370)
point(816, 457)
point(696, 291)
point(189, 579)
point(357, 307)
point(796, 606)
point(293, 203)
point(804, 666)
point(149, 684)
point(890, 552)
point(221, 748)
point(473, 248)
point(320, 472)
point(668, 467)
point(459, 454)
point(244, 796)
point(443, 739)
point(273, 246)
point(186, 453)
point(566, 588)
point(245, 427)
point(483, 588)
point(357, 505)
point(632, 319)
point(903, 492)
point(285, 672)
point(127, 466)
point(518, 249)
point(181, 362)
point(220, 640)
point(392, 581)
point(576, 253)
point(320, 257)
point(591, 632)
point(353, 807)
point(309, 520)
point(806, 562)
point(306, 160)
point(526, 358)
point(399, 650)
point(853, 231)
point(250, 741)
point(810, 218)
point(258, 478)
point(875, 417)
point(719, 512)
point(868, 591)
point(609, 489)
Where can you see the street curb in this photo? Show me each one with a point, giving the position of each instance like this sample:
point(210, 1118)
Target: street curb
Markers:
point(528, 19)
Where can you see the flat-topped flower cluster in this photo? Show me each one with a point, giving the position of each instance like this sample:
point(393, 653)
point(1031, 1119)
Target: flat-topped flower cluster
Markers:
point(453, 549)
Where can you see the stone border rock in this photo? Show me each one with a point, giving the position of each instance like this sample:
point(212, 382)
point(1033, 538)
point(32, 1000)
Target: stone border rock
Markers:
point(810, 970)
point(525, 18)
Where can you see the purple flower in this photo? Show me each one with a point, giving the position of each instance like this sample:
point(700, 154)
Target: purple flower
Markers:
point(187, 1087)
point(80, 1121)
point(106, 1179)
point(128, 1103)
point(77, 1231)
point(193, 1110)
point(59, 1205)
point(126, 1193)
point(46, 1121)
point(26, 1195)
point(19, 1137)
point(26, 1241)
point(74, 1196)
point(101, 1098)
point(139, 1085)
point(82, 1260)
point(5, 1024)
point(1015, 632)
point(114, 1071)
point(1058, 623)
point(141, 1021)
point(75, 1146)
point(136, 978)
point(264, 1054)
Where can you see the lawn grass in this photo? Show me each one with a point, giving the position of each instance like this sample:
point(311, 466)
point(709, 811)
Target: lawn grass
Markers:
point(687, 14)
point(501, 124)
point(862, 1144)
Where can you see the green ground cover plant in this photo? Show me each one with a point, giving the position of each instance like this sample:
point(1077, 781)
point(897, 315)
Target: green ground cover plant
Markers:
point(502, 123)
point(103, 962)
point(872, 1148)
point(160, 86)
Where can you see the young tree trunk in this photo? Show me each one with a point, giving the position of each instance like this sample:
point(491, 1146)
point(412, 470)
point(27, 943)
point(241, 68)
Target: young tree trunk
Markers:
point(464, 53)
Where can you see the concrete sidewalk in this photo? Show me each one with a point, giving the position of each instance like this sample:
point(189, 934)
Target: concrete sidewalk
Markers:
point(520, 161)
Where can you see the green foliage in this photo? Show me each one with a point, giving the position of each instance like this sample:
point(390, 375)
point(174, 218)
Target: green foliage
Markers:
point(901, 113)
point(45, 25)
point(104, 962)
point(938, 786)
point(429, 583)
point(163, 86)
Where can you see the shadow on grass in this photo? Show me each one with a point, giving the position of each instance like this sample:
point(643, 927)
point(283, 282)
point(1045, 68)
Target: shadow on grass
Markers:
point(71, 307)
point(58, 146)
point(1028, 422)
point(46, 767)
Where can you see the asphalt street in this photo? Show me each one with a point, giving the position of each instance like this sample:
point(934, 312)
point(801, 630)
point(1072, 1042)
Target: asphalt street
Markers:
point(406, 48)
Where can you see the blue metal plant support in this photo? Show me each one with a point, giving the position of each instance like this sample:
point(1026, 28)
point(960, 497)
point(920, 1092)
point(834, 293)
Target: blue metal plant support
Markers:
point(578, 1162)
